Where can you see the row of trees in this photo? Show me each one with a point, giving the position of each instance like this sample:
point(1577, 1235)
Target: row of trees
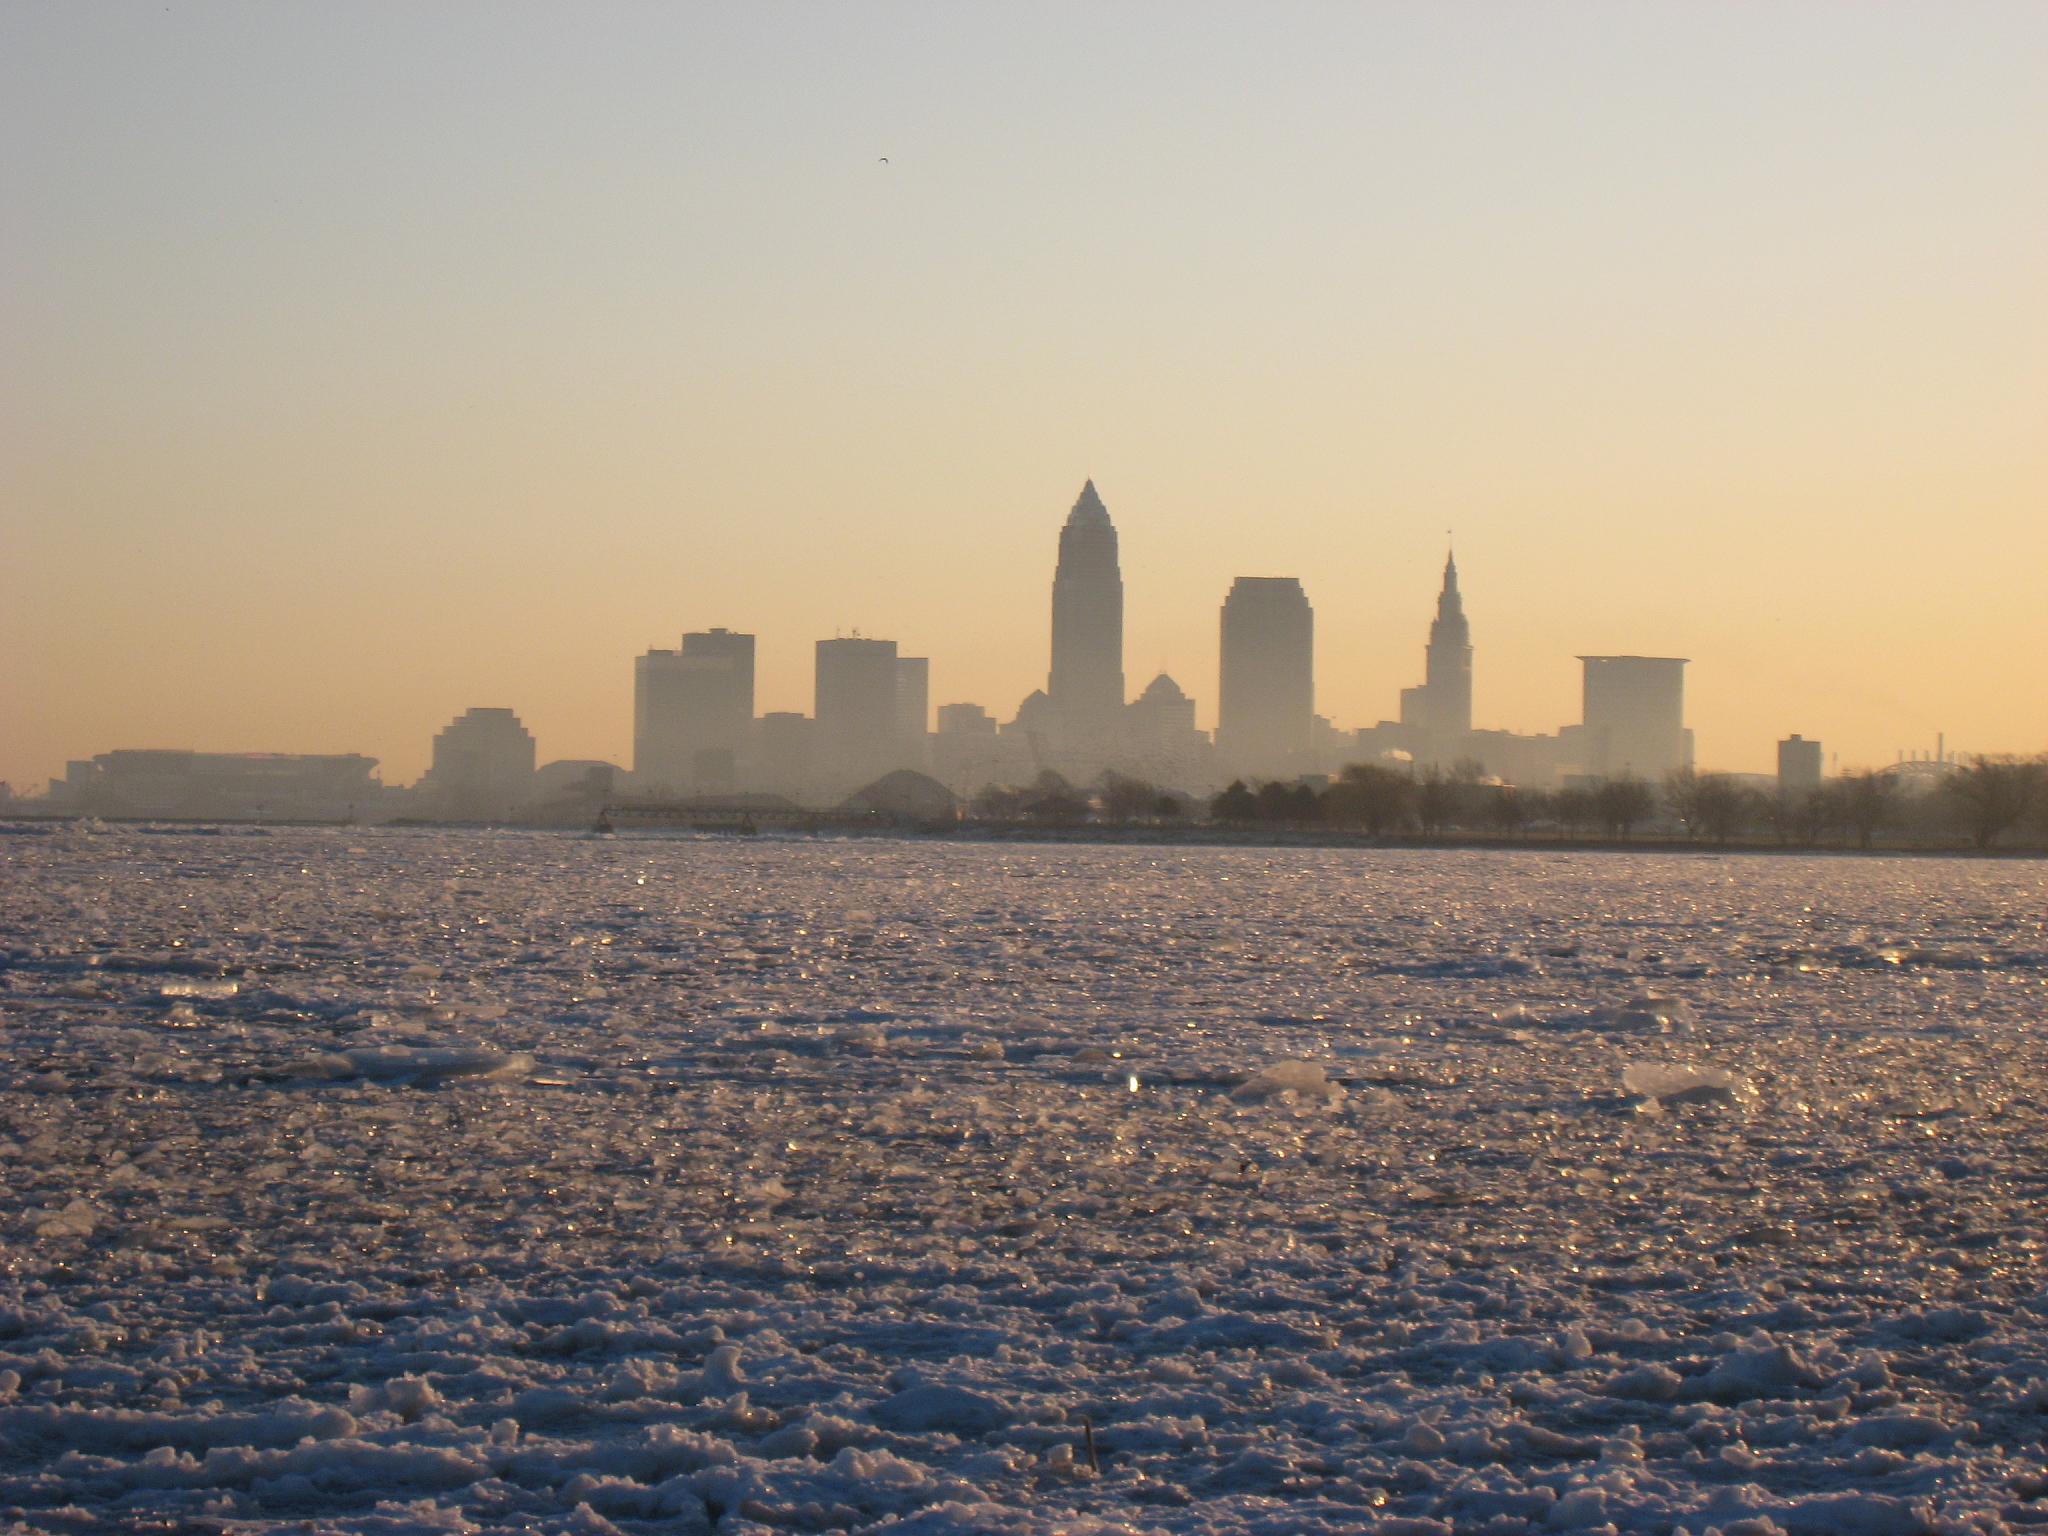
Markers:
point(1988, 801)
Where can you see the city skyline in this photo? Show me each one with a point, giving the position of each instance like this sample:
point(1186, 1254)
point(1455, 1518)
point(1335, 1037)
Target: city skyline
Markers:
point(1087, 608)
point(358, 375)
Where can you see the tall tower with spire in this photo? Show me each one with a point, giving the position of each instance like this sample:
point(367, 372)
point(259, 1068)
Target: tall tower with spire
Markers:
point(1447, 660)
point(1438, 714)
point(1087, 682)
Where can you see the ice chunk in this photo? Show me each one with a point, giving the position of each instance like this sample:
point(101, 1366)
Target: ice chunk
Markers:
point(721, 1370)
point(1763, 1368)
point(1648, 1013)
point(931, 1408)
point(1681, 1083)
point(1294, 1082)
point(199, 986)
point(419, 1064)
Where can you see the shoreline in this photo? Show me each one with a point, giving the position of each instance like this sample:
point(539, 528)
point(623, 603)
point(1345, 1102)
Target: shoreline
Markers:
point(1205, 836)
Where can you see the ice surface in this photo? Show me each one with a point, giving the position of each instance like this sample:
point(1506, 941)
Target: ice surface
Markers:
point(400, 1181)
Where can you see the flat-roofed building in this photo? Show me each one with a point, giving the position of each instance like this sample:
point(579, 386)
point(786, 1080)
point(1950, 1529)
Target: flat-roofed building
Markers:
point(693, 713)
point(1633, 718)
point(1266, 700)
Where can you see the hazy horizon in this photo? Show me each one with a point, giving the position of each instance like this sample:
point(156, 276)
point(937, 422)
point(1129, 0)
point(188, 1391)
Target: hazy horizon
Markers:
point(369, 364)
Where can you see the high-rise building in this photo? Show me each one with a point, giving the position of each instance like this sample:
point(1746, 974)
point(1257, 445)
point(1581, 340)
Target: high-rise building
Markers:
point(482, 768)
point(1161, 740)
point(913, 706)
point(1798, 764)
point(1634, 716)
point(1087, 681)
point(782, 753)
point(693, 711)
point(1439, 712)
point(1267, 697)
point(864, 698)
point(966, 753)
point(966, 720)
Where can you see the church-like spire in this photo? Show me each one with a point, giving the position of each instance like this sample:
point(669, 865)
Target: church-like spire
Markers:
point(1449, 603)
point(1088, 507)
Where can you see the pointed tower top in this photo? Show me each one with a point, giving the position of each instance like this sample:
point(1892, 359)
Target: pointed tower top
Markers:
point(1088, 507)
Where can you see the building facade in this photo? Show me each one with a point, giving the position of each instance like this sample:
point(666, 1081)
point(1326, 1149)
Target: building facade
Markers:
point(482, 767)
point(693, 713)
point(1633, 718)
point(1799, 767)
point(1086, 684)
point(865, 699)
point(1438, 713)
point(1266, 696)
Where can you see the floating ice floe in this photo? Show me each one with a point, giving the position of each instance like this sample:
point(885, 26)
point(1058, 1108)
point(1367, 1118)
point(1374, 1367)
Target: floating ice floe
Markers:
point(1674, 1083)
point(421, 1064)
point(1289, 1082)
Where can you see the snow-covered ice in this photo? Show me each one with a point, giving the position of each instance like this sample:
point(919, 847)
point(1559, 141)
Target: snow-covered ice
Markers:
point(396, 1180)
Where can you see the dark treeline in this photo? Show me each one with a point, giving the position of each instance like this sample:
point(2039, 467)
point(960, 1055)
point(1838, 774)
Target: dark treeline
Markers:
point(1987, 802)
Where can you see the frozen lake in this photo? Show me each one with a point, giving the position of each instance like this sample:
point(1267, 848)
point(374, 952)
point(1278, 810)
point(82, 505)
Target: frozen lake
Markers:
point(404, 1181)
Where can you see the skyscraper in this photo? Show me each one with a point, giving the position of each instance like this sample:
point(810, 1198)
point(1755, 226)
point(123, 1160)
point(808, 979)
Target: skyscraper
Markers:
point(693, 710)
point(1447, 660)
point(1437, 715)
point(867, 700)
point(1087, 682)
point(1267, 698)
point(1635, 716)
point(913, 708)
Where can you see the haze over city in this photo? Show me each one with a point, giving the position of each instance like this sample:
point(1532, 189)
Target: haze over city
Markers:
point(360, 374)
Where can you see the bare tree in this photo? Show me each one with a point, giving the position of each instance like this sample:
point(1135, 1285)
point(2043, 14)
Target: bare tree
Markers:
point(1797, 817)
point(1992, 795)
point(1370, 796)
point(1235, 804)
point(1723, 807)
point(1436, 801)
point(1508, 809)
point(1123, 798)
point(1052, 799)
point(1572, 809)
point(1864, 802)
point(1622, 803)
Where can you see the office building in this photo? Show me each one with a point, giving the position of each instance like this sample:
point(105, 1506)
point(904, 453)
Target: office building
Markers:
point(693, 711)
point(482, 768)
point(913, 708)
point(1799, 766)
point(1086, 684)
point(1267, 695)
point(1633, 718)
point(865, 698)
point(1437, 715)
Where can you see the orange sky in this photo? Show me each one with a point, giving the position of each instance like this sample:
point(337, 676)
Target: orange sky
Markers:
point(366, 364)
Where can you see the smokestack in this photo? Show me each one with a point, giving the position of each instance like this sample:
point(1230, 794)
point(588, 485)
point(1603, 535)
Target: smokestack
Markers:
point(1940, 747)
